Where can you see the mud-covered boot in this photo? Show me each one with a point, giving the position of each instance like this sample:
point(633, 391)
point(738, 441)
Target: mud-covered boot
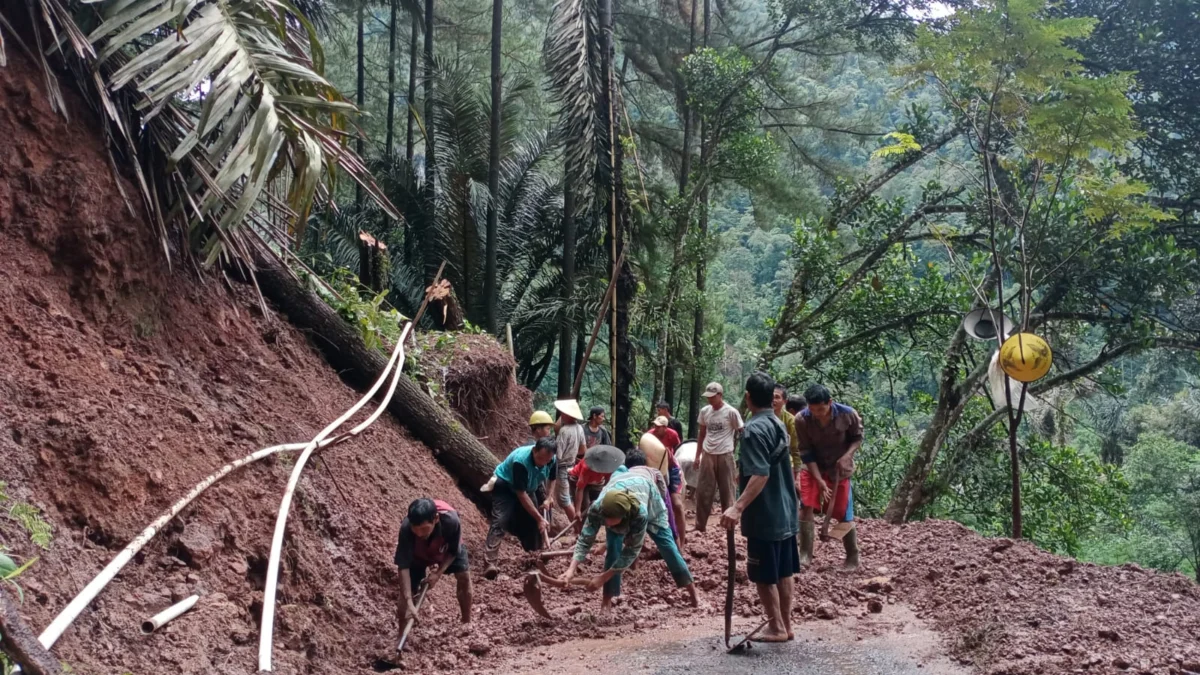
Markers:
point(807, 534)
point(850, 541)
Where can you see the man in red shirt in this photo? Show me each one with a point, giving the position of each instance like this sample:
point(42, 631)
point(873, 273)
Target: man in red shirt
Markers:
point(662, 430)
point(431, 539)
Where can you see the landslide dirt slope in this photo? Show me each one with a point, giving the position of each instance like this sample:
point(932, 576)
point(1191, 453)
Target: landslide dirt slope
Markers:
point(123, 383)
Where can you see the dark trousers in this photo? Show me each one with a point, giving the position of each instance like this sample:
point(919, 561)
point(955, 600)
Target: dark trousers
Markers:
point(509, 516)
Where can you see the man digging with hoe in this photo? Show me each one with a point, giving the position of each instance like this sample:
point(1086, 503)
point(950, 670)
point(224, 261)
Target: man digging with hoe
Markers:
point(827, 436)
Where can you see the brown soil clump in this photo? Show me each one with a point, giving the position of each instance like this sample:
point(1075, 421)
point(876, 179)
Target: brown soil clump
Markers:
point(474, 374)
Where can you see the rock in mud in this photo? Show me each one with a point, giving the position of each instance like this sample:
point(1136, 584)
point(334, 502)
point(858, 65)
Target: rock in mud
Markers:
point(200, 542)
point(827, 611)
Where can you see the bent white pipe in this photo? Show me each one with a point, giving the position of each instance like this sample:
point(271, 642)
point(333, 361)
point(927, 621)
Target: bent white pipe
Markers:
point(159, 620)
point(69, 613)
point(266, 634)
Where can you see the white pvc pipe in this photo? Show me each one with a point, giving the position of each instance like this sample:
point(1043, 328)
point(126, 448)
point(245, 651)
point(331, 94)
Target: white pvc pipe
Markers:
point(69, 613)
point(159, 620)
point(268, 613)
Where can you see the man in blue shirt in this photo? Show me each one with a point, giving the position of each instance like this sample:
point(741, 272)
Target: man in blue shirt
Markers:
point(767, 509)
point(520, 479)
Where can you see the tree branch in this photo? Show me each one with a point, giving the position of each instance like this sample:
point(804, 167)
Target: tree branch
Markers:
point(861, 336)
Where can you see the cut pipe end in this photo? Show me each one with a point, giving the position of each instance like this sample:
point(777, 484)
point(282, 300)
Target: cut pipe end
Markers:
point(147, 627)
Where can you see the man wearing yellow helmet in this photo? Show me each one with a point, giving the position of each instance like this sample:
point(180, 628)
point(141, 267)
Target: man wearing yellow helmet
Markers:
point(540, 424)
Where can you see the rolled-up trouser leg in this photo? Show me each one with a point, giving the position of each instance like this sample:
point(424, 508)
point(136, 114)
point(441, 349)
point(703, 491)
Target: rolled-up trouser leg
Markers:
point(503, 501)
point(671, 555)
point(612, 587)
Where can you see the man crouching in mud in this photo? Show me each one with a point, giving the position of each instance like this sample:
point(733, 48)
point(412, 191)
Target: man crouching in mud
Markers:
point(630, 507)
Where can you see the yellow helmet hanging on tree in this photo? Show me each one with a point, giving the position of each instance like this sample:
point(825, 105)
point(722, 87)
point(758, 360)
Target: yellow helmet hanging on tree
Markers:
point(1025, 357)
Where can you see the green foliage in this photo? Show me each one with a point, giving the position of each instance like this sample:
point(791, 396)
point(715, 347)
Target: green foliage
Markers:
point(1164, 477)
point(904, 144)
point(1067, 494)
point(378, 327)
point(9, 571)
point(29, 517)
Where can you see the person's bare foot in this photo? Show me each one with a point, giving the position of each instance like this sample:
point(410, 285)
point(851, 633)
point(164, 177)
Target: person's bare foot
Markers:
point(693, 595)
point(767, 636)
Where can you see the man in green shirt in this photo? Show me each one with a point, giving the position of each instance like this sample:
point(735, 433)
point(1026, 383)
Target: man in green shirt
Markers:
point(767, 509)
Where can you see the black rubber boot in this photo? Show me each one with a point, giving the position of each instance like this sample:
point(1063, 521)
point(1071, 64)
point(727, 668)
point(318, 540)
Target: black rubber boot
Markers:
point(807, 535)
point(850, 541)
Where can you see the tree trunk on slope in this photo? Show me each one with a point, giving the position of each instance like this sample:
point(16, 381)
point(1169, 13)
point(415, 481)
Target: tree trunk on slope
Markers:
point(19, 643)
point(360, 99)
point(952, 399)
point(490, 285)
point(698, 318)
point(455, 448)
point(390, 136)
point(411, 98)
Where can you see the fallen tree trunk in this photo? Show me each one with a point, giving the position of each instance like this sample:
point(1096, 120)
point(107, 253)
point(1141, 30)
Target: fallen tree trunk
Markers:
point(461, 453)
point(18, 642)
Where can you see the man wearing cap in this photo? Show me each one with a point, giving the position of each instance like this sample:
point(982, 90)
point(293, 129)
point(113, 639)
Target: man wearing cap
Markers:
point(520, 485)
point(828, 435)
point(663, 409)
point(662, 431)
point(629, 508)
point(595, 432)
point(571, 444)
point(719, 426)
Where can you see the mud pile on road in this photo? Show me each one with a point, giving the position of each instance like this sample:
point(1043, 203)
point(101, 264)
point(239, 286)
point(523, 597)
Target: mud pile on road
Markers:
point(1003, 607)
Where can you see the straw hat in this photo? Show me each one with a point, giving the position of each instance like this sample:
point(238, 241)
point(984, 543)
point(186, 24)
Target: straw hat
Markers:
point(569, 407)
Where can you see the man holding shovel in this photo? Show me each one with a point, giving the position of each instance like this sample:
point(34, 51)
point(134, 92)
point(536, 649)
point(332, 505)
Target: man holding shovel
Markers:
point(520, 480)
point(767, 510)
point(630, 508)
point(430, 537)
point(827, 434)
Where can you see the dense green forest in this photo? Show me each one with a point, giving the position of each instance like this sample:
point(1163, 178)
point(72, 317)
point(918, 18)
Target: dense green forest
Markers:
point(818, 188)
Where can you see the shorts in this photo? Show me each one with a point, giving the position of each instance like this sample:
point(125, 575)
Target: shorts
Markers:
point(675, 480)
point(562, 489)
point(416, 573)
point(843, 497)
point(769, 561)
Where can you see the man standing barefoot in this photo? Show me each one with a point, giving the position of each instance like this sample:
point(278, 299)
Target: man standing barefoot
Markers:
point(767, 509)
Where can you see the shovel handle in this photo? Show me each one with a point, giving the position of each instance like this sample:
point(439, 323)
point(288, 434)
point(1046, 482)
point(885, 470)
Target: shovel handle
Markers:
point(837, 479)
point(408, 625)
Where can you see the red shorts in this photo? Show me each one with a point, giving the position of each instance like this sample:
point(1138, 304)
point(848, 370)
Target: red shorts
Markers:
point(810, 495)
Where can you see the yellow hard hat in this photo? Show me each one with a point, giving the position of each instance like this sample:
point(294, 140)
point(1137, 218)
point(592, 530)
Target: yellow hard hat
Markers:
point(1025, 357)
point(540, 417)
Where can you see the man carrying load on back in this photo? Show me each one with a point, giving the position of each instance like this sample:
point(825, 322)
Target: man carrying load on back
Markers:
point(431, 537)
point(519, 488)
point(827, 435)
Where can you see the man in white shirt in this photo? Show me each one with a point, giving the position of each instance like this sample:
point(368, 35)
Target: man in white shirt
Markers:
point(571, 443)
point(720, 424)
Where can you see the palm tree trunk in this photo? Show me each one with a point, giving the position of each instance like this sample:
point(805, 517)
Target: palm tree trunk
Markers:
point(391, 104)
point(412, 88)
point(493, 214)
point(430, 123)
point(565, 375)
point(360, 99)
point(701, 271)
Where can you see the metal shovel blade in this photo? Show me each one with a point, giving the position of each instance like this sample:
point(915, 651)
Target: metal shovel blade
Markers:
point(743, 645)
point(533, 594)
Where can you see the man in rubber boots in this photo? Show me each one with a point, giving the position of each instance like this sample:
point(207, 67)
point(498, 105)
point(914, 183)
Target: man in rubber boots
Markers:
point(431, 537)
point(828, 434)
point(629, 508)
point(520, 486)
point(720, 424)
point(767, 509)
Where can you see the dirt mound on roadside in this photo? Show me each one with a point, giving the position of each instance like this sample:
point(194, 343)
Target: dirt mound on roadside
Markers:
point(475, 376)
point(124, 383)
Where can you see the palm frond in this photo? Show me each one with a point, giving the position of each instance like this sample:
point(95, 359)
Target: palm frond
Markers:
point(264, 108)
point(571, 58)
